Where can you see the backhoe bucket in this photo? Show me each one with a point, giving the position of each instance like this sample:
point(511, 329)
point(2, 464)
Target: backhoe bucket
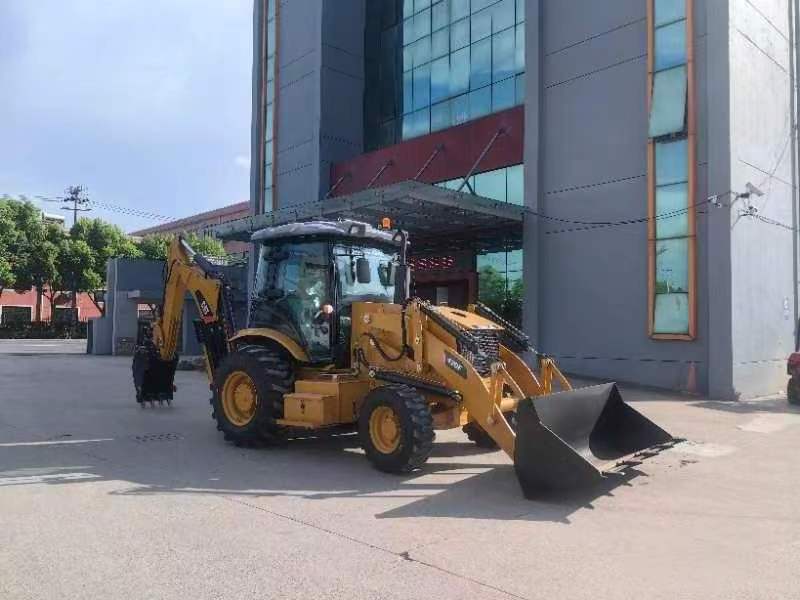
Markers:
point(153, 377)
point(566, 440)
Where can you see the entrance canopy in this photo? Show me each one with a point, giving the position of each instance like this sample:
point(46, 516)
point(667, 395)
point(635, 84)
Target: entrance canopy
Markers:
point(437, 219)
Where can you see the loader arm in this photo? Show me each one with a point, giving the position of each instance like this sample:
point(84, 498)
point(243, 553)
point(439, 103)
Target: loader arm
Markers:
point(574, 438)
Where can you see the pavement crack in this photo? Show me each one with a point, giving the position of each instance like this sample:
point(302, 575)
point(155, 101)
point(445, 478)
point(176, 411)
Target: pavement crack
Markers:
point(406, 555)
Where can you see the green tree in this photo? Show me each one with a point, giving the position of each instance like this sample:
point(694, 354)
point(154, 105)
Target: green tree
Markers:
point(8, 236)
point(28, 248)
point(75, 269)
point(7, 277)
point(156, 247)
point(492, 289)
point(207, 246)
point(106, 241)
point(501, 295)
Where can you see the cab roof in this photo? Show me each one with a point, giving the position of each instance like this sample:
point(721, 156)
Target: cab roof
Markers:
point(354, 230)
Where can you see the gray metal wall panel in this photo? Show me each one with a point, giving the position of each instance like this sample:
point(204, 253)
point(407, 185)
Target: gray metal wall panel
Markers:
point(299, 66)
point(592, 285)
point(568, 22)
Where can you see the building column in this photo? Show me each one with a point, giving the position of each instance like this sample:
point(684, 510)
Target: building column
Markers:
point(532, 225)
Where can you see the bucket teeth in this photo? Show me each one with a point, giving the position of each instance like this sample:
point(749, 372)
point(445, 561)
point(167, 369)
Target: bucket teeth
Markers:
point(566, 440)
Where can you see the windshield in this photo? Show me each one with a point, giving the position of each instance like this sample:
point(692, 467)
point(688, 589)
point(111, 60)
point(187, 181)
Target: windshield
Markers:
point(291, 289)
point(381, 280)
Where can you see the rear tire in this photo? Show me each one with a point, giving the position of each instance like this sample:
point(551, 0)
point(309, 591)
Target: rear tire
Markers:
point(407, 441)
point(248, 394)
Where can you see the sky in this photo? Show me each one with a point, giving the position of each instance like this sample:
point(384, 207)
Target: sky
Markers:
point(147, 104)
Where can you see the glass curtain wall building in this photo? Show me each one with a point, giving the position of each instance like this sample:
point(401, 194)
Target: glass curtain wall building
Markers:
point(436, 64)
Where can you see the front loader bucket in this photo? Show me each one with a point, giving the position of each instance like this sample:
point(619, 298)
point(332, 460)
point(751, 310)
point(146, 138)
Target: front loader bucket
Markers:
point(565, 440)
point(153, 377)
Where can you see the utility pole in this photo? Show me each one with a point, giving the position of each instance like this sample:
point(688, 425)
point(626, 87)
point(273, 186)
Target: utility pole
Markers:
point(76, 195)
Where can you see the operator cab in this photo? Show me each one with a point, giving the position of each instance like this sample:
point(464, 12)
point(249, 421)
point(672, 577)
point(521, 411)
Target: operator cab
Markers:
point(310, 274)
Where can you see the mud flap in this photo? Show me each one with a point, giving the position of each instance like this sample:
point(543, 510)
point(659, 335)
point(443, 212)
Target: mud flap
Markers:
point(564, 440)
point(153, 378)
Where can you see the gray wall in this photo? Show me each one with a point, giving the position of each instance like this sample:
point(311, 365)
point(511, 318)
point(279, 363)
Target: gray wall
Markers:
point(762, 256)
point(592, 308)
point(320, 93)
point(119, 324)
point(586, 132)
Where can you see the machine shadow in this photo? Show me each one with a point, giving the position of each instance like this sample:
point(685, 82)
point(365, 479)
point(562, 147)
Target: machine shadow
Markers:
point(480, 485)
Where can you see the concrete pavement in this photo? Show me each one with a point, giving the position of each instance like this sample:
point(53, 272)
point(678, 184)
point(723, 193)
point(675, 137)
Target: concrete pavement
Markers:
point(102, 499)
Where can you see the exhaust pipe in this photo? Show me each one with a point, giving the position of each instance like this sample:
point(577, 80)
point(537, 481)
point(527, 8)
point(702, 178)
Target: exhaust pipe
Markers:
point(567, 440)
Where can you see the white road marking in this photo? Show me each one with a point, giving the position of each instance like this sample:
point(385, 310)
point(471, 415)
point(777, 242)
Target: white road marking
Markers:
point(5, 481)
point(55, 443)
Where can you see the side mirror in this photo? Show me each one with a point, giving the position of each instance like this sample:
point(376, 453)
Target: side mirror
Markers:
point(363, 271)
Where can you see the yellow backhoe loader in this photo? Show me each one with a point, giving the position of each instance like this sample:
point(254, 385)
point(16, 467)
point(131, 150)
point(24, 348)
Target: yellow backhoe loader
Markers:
point(333, 340)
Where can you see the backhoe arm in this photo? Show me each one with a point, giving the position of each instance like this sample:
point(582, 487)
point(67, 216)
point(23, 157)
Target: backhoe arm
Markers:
point(184, 274)
point(156, 358)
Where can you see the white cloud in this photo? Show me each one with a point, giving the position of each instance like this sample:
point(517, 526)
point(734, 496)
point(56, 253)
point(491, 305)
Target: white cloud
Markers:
point(243, 161)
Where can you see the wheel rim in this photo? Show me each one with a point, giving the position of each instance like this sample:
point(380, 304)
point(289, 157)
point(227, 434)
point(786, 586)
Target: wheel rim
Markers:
point(239, 398)
point(384, 429)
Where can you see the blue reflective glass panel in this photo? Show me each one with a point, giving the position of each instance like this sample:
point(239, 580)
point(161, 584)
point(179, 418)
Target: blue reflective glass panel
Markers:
point(440, 116)
point(668, 11)
point(459, 9)
point(516, 185)
point(514, 261)
point(481, 25)
point(440, 43)
point(671, 314)
point(669, 200)
point(408, 92)
point(492, 184)
point(459, 35)
point(422, 87)
point(672, 266)
point(520, 11)
point(502, 15)
point(459, 72)
point(459, 109)
point(440, 79)
point(668, 109)
point(672, 162)
point(503, 56)
point(480, 103)
point(441, 14)
point(520, 88)
point(503, 95)
point(480, 64)
point(670, 46)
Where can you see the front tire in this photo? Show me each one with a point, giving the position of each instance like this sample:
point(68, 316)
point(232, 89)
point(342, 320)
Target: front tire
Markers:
point(396, 428)
point(248, 394)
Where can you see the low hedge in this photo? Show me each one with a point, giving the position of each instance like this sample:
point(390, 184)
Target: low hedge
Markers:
point(42, 331)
